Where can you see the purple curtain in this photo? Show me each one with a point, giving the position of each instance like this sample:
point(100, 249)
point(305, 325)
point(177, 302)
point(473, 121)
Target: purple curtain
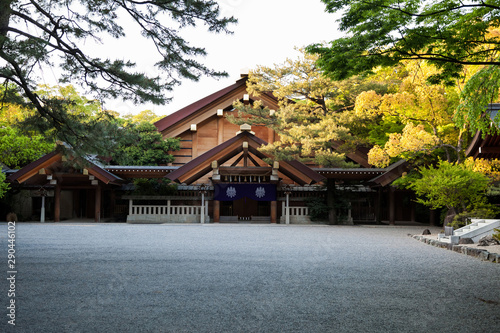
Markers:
point(259, 192)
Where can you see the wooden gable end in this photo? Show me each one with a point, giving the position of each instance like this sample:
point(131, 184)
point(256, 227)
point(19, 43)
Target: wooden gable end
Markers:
point(202, 125)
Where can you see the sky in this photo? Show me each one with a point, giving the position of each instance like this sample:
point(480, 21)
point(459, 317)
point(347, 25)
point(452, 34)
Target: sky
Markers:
point(266, 34)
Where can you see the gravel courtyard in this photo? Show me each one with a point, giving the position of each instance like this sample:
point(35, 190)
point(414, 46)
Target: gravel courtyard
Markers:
point(86, 277)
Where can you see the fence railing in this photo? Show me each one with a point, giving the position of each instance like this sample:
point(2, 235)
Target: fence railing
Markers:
point(168, 210)
point(164, 210)
point(295, 210)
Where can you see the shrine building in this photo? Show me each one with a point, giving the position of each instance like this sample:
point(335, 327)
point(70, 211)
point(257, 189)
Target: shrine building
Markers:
point(221, 176)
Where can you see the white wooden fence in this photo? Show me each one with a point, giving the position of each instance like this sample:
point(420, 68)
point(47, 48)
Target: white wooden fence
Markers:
point(297, 214)
point(166, 213)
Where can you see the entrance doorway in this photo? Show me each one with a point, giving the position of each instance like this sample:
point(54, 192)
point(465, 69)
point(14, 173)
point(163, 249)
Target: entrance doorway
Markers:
point(245, 209)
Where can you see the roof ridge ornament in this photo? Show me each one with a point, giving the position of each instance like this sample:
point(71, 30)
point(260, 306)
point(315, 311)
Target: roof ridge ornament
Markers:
point(245, 128)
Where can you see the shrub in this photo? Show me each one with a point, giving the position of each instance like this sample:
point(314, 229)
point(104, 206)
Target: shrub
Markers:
point(496, 234)
point(318, 209)
point(486, 211)
point(159, 186)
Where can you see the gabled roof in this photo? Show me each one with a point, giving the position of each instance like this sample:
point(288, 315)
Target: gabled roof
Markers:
point(201, 165)
point(189, 110)
point(392, 172)
point(32, 170)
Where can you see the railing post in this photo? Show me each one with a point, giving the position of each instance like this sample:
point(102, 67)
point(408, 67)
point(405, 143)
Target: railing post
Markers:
point(287, 208)
point(130, 208)
point(202, 208)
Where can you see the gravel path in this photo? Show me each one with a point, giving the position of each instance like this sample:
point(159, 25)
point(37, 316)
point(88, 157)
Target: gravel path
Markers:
point(244, 278)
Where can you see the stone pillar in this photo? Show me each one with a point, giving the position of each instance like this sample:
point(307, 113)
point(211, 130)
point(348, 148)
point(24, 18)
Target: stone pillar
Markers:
point(274, 211)
point(216, 211)
point(392, 206)
point(42, 210)
point(57, 203)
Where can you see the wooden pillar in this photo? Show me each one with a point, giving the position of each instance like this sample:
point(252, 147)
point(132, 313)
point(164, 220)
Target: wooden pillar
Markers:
point(392, 206)
point(97, 215)
point(112, 203)
point(330, 201)
point(274, 211)
point(216, 211)
point(378, 206)
point(57, 203)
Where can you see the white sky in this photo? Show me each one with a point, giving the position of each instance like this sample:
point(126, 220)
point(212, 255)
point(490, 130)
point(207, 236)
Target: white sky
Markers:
point(266, 34)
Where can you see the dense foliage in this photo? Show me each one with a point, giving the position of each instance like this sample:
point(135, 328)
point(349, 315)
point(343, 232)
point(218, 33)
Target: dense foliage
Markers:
point(3, 185)
point(154, 187)
point(129, 140)
point(426, 114)
point(315, 116)
point(17, 150)
point(142, 144)
point(447, 33)
point(451, 185)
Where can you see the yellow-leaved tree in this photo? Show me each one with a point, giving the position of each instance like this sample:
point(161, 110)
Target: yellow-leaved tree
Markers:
point(426, 111)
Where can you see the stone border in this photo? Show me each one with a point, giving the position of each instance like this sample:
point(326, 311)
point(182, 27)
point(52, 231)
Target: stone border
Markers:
point(474, 252)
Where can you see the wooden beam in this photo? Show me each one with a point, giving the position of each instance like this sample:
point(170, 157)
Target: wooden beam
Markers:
point(489, 150)
point(235, 163)
point(253, 161)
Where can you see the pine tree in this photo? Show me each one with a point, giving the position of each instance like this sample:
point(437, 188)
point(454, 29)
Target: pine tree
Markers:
point(34, 33)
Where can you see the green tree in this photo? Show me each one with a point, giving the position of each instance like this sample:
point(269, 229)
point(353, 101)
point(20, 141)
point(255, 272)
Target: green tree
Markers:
point(314, 120)
point(79, 115)
point(17, 150)
point(32, 33)
point(447, 33)
point(145, 115)
point(4, 187)
point(479, 91)
point(451, 185)
point(142, 144)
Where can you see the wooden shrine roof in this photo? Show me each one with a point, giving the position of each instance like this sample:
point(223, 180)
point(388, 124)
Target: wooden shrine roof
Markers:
point(52, 164)
point(391, 173)
point(189, 110)
point(201, 165)
point(487, 147)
